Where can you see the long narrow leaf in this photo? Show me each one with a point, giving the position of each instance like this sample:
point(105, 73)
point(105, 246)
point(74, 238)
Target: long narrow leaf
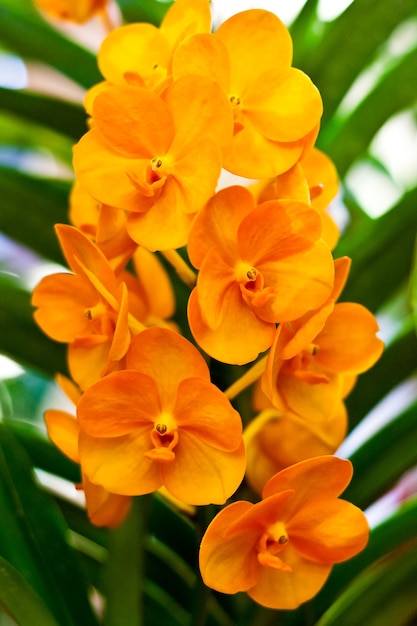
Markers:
point(19, 600)
point(26, 33)
point(39, 530)
point(65, 117)
point(385, 594)
point(42, 452)
point(396, 365)
point(349, 44)
point(383, 458)
point(33, 205)
point(151, 11)
point(384, 249)
point(396, 91)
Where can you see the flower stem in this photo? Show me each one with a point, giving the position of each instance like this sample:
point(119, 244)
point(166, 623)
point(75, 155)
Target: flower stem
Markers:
point(184, 271)
point(249, 377)
point(124, 574)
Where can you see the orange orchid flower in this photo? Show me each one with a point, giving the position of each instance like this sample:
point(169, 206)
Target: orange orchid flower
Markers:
point(276, 107)
point(282, 549)
point(311, 367)
point(313, 180)
point(161, 422)
point(140, 54)
point(95, 310)
point(151, 294)
point(335, 339)
point(103, 224)
point(103, 508)
point(278, 437)
point(157, 158)
point(73, 10)
point(88, 309)
point(259, 265)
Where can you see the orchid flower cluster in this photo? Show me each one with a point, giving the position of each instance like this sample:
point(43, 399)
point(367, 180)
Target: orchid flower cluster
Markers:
point(178, 106)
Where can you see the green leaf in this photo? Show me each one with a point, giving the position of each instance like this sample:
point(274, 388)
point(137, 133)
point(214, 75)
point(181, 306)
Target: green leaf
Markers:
point(413, 288)
point(6, 407)
point(384, 594)
point(64, 117)
point(30, 208)
point(152, 11)
point(19, 600)
point(383, 458)
point(78, 522)
point(304, 31)
point(347, 140)
point(20, 338)
point(161, 608)
point(33, 538)
point(381, 252)
point(348, 45)
point(42, 452)
point(398, 362)
point(25, 32)
point(26, 143)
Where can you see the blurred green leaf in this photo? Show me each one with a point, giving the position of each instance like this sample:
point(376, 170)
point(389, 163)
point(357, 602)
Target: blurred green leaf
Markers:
point(6, 409)
point(33, 538)
point(384, 594)
point(413, 288)
point(161, 608)
point(348, 45)
point(20, 338)
point(151, 11)
point(174, 529)
point(64, 117)
point(305, 31)
point(397, 364)
point(25, 32)
point(382, 459)
point(42, 452)
point(24, 143)
point(347, 140)
point(381, 252)
point(38, 121)
point(30, 208)
point(19, 600)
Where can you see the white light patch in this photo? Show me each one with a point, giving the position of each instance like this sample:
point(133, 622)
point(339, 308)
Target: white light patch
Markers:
point(9, 368)
point(285, 10)
point(13, 74)
point(396, 146)
point(328, 10)
point(375, 191)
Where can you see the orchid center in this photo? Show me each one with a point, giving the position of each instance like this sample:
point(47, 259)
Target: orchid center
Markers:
point(248, 276)
point(96, 311)
point(164, 438)
point(272, 543)
point(159, 169)
point(234, 101)
point(156, 163)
